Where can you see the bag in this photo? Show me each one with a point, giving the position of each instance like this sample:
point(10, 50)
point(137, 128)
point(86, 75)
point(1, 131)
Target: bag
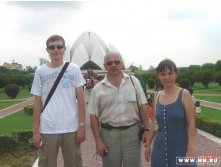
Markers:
point(141, 130)
point(141, 127)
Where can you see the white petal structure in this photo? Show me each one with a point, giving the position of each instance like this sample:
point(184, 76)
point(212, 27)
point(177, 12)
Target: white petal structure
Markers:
point(88, 51)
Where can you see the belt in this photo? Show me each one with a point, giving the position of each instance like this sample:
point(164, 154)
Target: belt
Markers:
point(109, 127)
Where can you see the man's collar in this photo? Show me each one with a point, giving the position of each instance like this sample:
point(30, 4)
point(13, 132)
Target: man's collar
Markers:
point(124, 76)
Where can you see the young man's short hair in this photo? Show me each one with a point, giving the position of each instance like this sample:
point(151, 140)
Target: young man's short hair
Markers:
point(55, 38)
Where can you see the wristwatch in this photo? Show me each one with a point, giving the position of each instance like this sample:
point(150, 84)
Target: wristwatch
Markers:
point(82, 124)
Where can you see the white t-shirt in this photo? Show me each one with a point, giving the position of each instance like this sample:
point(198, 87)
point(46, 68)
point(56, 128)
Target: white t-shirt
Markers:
point(60, 114)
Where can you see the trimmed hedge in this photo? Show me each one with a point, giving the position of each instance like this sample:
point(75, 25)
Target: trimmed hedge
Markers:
point(28, 110)
point(10, 142)
point(207, 125)
point(12, 90)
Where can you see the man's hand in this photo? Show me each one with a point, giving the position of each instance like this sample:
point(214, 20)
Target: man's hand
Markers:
point(80, 135)
point(101, 148)
point(38, 140)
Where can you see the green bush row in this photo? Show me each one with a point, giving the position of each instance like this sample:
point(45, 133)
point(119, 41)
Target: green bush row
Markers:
point(11, 141)
point(28, 110)
point(207, 125)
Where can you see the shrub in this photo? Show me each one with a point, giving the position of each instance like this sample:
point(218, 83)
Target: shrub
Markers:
point(185, 83)
point(23, 136)
point(197, 104)
point(29, 87)
point(151, 83)
point(210, 126)
point(28, 110)
point(12, 90)
point(8, 143)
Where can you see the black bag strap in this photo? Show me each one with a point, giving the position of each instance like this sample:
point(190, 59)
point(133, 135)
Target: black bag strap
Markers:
point(136, 97)
point(55, 85)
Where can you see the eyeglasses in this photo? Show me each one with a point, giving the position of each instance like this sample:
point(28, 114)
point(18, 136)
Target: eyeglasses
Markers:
point(109, 63)
point(52, 47)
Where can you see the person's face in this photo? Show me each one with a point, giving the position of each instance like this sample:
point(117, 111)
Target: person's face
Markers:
point(113, 64)
point(167, 77)
point(56, 50)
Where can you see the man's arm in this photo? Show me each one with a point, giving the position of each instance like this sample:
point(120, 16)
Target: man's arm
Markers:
point(81, 113)
point(100, 146)
point(36, 119)
point(145, 121)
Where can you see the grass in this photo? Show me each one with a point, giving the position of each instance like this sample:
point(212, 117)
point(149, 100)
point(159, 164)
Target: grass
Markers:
point(213, 88)
point(216, 99)
point(24, 156)
point(23, 93)
point(16, 121)
point(5, 104)
point(200, 92)
point(5, 101)
point(210, 113)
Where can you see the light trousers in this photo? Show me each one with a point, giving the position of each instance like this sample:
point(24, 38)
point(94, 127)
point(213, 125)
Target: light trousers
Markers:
point(70, 150)
point(123, 147)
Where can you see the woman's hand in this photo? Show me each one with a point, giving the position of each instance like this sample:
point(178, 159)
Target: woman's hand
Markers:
point(147, 153)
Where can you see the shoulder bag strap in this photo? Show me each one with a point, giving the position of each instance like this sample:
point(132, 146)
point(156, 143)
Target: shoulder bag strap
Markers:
point(55, 85)
point(136, 97)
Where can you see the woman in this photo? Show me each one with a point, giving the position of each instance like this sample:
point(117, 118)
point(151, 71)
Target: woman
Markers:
point(173, 110)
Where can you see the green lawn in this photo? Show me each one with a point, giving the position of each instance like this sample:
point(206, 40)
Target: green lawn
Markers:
point(211, 113)
point(216, 99)
point(213, 88)
point(16, 121)
point(5, 101)
point(23, 93)
point(5, 104)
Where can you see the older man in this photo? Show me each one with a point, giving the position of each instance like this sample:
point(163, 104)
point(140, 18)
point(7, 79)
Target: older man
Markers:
point(114, 115)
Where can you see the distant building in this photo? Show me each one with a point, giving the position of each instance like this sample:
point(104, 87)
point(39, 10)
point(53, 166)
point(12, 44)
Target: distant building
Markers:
point(88, 53)
point(43, 61)
point(13, 66)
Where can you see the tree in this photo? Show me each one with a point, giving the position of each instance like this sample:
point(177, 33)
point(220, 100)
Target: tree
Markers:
point(30, 69)
point(217, 77)
point(206, 78)
point(151, 83)
point(208, 67)
point(3, 69)
point(218, 65)
point(185, 83)
point(207, 71)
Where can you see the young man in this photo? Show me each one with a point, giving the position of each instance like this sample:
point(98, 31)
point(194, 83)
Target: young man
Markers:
point(113, 105)
point(62, 123)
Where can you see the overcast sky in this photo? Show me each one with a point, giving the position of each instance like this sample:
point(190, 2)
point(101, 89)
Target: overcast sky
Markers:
point(145, 32)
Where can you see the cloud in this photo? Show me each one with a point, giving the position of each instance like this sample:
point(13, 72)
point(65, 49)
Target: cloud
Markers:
point(145, 32)
point(42, 5)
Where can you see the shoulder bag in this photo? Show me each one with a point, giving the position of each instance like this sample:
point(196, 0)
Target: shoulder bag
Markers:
point(140, 124)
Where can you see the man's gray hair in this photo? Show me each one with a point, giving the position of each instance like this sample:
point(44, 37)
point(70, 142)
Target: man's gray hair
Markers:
point(116, 53)
point(112, 52)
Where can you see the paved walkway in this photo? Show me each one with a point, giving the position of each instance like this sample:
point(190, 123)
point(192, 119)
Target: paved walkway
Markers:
point(205, 143)
point(210, 104)
point(12, 109)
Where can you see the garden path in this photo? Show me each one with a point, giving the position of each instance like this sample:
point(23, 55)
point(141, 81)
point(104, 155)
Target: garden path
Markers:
point(14, 108)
